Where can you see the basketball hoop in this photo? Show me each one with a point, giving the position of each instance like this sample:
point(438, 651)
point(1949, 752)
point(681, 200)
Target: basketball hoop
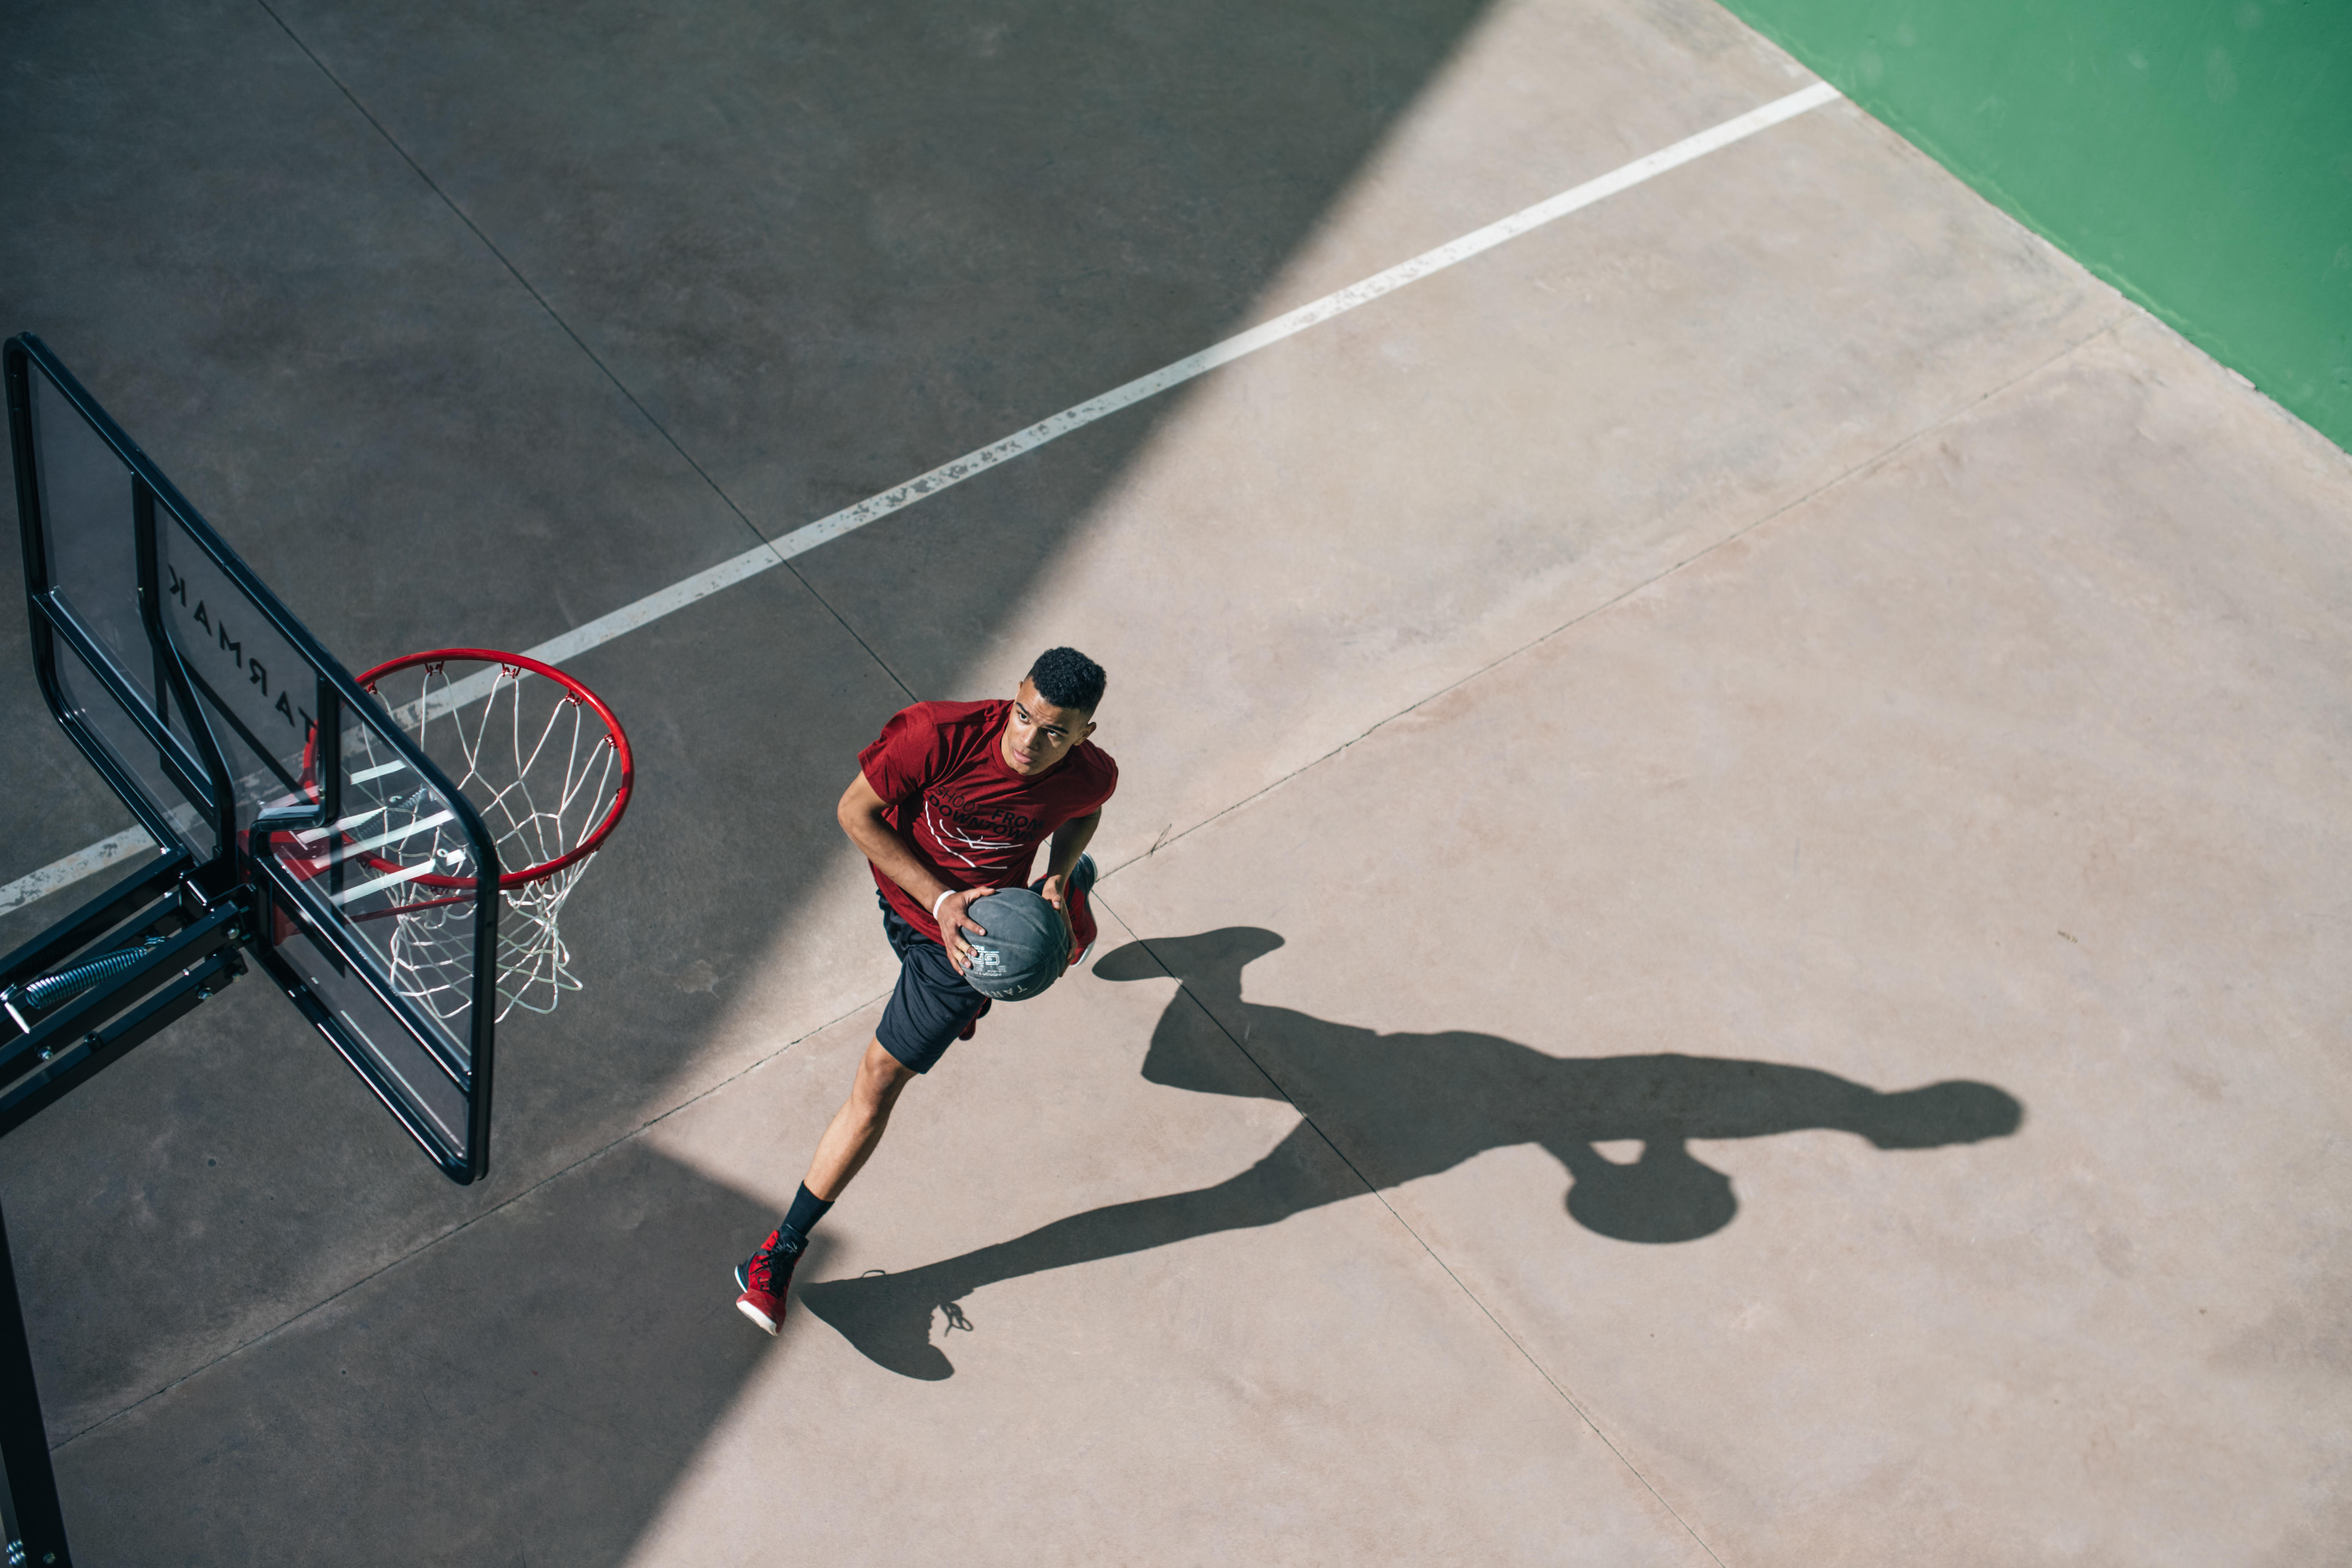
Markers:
point(544, 762)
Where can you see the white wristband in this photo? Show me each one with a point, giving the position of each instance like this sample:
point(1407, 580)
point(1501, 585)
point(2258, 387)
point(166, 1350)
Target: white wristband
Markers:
point(942, 899)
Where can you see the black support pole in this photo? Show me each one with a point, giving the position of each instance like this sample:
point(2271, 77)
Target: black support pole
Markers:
point(40, 1523)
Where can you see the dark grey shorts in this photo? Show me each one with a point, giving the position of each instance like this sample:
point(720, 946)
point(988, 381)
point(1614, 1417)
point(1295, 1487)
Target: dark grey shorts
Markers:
point(931, 1005)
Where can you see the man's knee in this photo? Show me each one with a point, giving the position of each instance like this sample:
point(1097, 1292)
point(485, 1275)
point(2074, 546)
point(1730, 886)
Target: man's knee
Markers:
point(880, 1077)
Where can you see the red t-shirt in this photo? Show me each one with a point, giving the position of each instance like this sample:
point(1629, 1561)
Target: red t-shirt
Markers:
point(974, 823)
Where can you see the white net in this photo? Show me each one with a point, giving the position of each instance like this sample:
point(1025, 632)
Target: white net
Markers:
point(545, 771)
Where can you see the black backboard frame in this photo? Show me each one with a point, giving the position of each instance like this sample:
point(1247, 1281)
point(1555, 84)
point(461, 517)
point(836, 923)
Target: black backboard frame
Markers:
point(191, 739)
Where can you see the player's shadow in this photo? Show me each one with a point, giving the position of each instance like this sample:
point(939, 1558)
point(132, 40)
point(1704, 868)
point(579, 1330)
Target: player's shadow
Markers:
point(1404, 1106)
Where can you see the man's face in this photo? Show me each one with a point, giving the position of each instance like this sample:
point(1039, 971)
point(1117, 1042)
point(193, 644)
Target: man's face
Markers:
point(1039, 734)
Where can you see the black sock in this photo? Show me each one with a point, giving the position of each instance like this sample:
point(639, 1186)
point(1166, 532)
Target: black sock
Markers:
point(806, 1210)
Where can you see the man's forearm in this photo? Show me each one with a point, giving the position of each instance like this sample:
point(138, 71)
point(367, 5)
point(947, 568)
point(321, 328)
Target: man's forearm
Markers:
point(1070, 841)
point(892, 854)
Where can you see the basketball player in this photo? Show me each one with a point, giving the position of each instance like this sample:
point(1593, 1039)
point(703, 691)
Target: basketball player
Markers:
point(948, 806)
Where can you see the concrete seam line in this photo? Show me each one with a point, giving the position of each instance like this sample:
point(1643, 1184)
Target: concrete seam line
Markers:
point(765, 555)
point(579, 342)
point(1170, 837)
point(501, 258)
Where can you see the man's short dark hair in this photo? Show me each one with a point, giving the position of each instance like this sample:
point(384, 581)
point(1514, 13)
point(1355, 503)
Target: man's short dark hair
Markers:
point(1068, 679)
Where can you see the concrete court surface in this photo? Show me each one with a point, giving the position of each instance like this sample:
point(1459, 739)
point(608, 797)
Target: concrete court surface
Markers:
point(1726, 933)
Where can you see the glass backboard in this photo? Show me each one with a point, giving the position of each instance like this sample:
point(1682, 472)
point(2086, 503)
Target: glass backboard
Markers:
point(239, 741)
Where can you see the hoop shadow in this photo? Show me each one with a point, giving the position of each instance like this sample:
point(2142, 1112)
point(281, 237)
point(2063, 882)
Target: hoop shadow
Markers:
point(1405, 1106)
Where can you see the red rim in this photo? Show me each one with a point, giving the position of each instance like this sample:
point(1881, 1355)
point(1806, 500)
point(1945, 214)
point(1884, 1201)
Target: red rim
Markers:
point(595, 838)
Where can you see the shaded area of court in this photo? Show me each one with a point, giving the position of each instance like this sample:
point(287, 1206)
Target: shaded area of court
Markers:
point(572, 1345)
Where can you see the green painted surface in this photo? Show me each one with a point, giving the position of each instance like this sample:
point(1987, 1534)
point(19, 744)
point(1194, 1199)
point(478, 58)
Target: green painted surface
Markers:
point(2195, 153)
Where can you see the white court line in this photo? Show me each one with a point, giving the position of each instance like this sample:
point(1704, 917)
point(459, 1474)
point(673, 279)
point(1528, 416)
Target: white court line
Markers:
point(65, 873)
point(751, 563)
point(342, 852)
point(364, 889)
point(763, 557)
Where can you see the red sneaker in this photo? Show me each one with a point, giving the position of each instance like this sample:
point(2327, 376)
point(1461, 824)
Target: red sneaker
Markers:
point(1082, 918)
point(765, 1276)
point(1080, 883)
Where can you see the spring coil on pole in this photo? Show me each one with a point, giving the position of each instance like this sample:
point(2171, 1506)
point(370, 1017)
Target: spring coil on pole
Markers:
point(65, 983)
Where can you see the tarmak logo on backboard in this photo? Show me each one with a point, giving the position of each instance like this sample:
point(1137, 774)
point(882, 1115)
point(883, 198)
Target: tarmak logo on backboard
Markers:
point(256, 673)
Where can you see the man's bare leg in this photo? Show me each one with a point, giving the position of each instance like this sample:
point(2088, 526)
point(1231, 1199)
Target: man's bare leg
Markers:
point(858, 1125)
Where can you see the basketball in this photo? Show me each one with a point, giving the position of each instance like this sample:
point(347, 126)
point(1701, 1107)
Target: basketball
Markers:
point(1025, 949)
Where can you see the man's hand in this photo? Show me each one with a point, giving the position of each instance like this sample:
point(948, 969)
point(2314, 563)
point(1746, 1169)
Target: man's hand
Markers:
point(1050, 888)
point(954, 923)
point(1070, 848)
point(864, 816)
